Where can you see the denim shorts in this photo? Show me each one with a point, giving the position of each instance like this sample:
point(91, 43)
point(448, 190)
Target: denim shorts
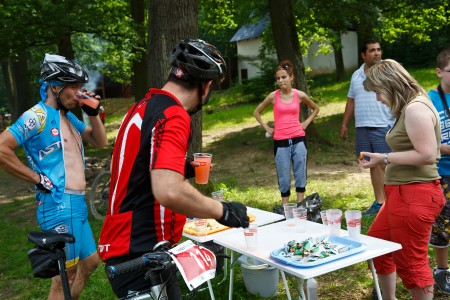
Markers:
point(68, 216)
point(371, 139)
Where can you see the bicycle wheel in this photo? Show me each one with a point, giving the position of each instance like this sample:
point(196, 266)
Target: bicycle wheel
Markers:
point(98, 196)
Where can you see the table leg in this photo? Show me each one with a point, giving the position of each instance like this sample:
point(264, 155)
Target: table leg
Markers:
point(301, 291)
point(225, 268)
point(211, 292)
point(375, 279)
point(286, 286)
point(230, 290)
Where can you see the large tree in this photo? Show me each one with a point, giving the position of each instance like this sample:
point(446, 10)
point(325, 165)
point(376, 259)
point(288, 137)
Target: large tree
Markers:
point(169, 22)
point(288, 47)
point(140, 62)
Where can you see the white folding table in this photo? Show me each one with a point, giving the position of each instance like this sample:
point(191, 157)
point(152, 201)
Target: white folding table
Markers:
point(274, 236)
point(262, 218)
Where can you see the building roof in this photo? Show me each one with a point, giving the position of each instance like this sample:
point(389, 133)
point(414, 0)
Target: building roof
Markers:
point(250, 31)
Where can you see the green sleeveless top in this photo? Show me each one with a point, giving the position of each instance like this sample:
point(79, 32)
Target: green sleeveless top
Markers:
point(398, 141)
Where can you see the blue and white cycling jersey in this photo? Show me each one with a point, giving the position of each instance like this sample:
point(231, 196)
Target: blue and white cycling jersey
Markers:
point(38, 131)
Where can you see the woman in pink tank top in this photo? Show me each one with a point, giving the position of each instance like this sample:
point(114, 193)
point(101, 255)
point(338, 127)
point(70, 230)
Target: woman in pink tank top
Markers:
point(289, 133)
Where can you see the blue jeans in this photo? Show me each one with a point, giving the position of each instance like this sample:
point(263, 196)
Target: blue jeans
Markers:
point(294, 155)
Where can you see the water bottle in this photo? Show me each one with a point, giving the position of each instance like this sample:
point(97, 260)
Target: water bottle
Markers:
point(311, 289)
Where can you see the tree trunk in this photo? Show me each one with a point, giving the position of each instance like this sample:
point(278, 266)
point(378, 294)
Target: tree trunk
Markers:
point(11, 89)
point(339, 58)
point(287, 47)
point(140, 64)
point(18, 88)
point(169, 22)
point(65, 48)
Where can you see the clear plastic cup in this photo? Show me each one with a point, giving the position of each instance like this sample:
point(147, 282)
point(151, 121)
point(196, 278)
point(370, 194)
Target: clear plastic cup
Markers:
point(85, 99)
point(202, 171)
point(334, 219)
point(251, 236)
point(323, 216)
point(353, 219)
point(217, 195)
point(201, 227)
point(289, 213)
point(301, 221)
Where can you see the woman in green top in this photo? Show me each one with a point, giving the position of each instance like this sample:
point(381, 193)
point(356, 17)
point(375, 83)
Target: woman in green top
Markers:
point(414, 197)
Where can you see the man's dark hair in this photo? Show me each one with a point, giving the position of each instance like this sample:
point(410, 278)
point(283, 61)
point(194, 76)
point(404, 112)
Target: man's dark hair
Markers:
point(363, 46)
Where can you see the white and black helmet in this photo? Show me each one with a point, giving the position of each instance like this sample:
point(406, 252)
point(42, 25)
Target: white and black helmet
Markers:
point(58, 68)
point(199, 59)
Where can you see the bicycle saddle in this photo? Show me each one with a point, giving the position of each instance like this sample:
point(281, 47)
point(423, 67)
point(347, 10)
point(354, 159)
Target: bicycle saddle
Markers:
point(50, 239)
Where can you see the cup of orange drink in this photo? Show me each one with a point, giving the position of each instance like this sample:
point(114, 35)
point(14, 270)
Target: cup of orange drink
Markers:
point(202, 171)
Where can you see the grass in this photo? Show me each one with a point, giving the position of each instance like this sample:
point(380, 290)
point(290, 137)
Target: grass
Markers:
point(244, 168)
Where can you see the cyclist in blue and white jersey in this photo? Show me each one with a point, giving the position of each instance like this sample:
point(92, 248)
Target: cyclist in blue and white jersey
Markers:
point(52, 138)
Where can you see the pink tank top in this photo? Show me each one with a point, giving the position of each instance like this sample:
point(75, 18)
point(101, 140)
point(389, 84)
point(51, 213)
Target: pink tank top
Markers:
point(286, 118)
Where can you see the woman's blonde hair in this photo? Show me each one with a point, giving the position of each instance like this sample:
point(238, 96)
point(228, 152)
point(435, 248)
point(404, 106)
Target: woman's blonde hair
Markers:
point(395, 85)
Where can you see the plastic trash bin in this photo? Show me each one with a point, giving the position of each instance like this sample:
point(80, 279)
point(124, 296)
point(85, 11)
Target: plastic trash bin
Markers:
point(260, 279)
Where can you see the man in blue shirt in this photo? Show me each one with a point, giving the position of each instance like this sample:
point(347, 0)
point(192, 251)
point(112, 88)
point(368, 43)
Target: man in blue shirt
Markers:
point(372, 120)
point(52, 138)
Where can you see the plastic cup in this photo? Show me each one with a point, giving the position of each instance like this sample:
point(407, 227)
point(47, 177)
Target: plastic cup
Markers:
point(289, 213)
point(201, 226)
point(301, 221)
point(334, 219)
point(202, 171)
point(217, 195)
point(353, 219)
point(87, 100)
point(323, 216)
point(251, 236)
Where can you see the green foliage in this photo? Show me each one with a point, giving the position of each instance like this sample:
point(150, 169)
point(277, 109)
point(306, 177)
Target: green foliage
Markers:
point(412, 19)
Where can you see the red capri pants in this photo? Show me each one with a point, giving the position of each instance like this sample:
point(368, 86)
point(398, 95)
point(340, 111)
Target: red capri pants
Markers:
point(406, 218)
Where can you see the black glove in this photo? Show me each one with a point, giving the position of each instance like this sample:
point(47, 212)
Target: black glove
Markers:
point(91, 111)
point(234, 215)
point(45, 185)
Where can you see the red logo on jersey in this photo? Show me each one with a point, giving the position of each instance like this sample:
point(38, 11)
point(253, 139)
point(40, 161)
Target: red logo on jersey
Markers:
point(55, 131)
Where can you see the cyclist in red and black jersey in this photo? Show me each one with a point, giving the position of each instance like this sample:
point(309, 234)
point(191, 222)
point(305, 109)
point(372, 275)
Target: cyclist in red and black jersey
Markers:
point(149, 196)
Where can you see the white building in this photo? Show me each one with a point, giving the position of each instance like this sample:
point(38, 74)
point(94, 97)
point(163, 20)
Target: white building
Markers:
point(248, 40)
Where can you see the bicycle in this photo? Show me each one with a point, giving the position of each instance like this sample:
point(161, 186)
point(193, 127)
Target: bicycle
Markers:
point(155, 263)
point(48, 259)
point(98, 196)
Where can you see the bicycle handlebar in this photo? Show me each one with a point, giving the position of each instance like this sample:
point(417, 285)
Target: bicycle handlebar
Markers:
point(157, 260)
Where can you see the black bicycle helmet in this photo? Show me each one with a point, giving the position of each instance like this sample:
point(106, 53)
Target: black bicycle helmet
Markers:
point(59, 68)
point(201, 61)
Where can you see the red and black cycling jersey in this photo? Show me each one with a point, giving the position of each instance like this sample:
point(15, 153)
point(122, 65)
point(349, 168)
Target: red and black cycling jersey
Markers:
point(153, 135)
